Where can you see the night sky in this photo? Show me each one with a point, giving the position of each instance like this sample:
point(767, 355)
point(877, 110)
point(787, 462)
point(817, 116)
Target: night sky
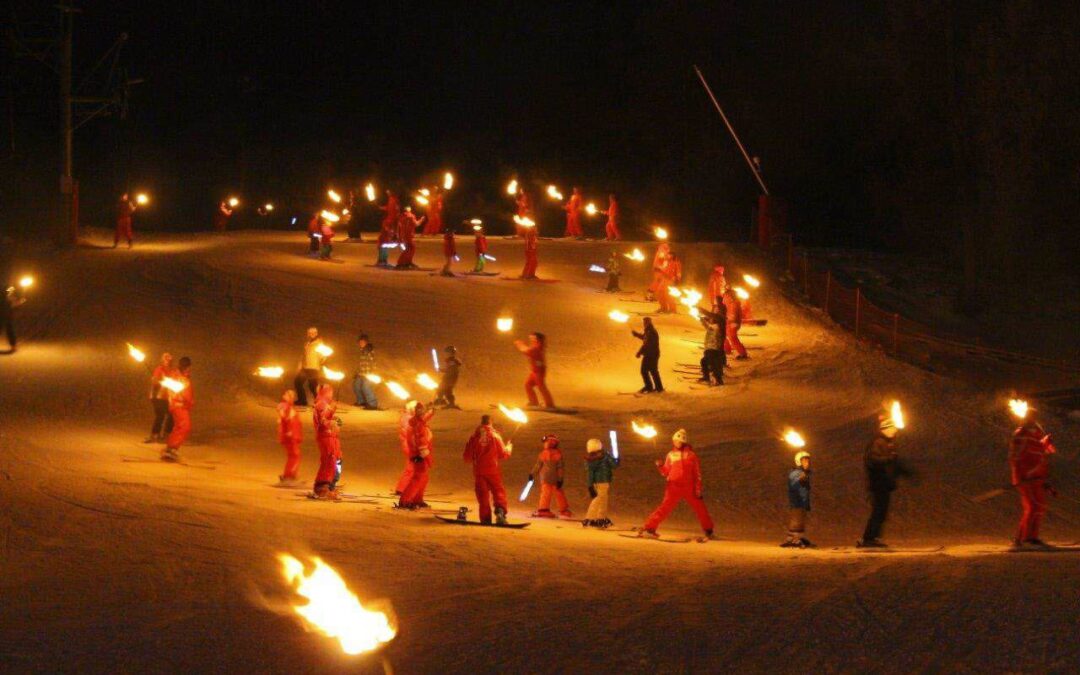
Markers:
point(881, 126)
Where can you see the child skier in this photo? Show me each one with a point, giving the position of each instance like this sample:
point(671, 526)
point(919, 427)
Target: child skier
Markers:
point(714, 360)
point(484, 450)
point(180, 404)
point(326, 436)
point(613, 273)
point(289, 435)
point(421, 445)
point(549, 467)
point(683, 474)
point(481, 247)
point(326, 241)
point(599, 467)
point(449, 249)
point(450, 371)
point(798, 502)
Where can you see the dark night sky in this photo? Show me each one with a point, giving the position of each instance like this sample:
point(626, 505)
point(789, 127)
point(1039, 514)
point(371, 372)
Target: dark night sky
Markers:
point(850, 107)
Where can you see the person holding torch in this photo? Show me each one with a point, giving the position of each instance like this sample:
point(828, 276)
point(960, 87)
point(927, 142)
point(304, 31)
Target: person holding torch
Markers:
point(535, 351)
point(421, 445)
point(611, 228)
point(573, 215)
point(1029, 460)
point(883, 468)
point(327, 426)
point(485, 449)
point(310, 366)
point(480, 246)
point(682, 471)
point(798, 482)
point(388, 228)
point(181, 401)
point(124, 212)
point(223, 215)
point(159, 400)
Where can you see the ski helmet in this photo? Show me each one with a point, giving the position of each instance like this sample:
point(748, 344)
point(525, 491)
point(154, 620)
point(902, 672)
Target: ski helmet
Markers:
point(550, 437)
point(450, 349)
point(679, 436)
point(594, 445)
point(799, 457)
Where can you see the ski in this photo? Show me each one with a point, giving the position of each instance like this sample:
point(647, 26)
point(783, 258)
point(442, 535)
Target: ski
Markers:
point(887, 549)
point(554, 411)
point(141, 460)
point(662, 538)
point(537, 280)
point(456, 521)
point(397, 498)
point(352, 499)
point(481, 274)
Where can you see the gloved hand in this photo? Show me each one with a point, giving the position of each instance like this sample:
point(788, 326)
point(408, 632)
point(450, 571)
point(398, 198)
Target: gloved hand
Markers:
point(530, 478)
point(558, 484)
point(658, 462)
point(424, 452)
point(417, 460)
point(592, 492)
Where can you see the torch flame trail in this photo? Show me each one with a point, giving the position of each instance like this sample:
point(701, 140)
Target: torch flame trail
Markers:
point(397, 390)
point(426, 381)
point(512, 187)
point(369, 192)
point(142, 199)
point(271, 372)
point(505, 324)
point(136, 353)
point(794, 439)
point(643, 430)
point(26, 282)
point(590, 209)
point(333, 375)
point(751, 280)
point(234, 202)
point(618, 317)
point(636, 255)
point(448, 181)
point(742, 293)
point(514, 414)
point(333, 610)
point(660, 233)
point(330, 216)
point(524, 221)
point(422, 200)
point(175, 386)
point(324, 350)
point(334, 196)
point(554, 192)
point(373, 378)
point(897, 415)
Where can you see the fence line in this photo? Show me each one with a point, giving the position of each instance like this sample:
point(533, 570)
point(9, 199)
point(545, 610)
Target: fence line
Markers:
point(894, 333)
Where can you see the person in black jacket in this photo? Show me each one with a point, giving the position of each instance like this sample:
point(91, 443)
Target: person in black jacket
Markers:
point(450, 371)
point(883, 468)
point(650, 357)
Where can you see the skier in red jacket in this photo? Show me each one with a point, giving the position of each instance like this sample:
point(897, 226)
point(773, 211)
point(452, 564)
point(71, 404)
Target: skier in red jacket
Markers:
point(435, 213)
point(524, 210)
point(670, 277)
point(532, 244)
point(407, 225)
point(717, 287)
point(222, 216)
point(290, 432)
point(611, 229)
point(449, 249)
point(733, 310)
point(124, 212)
point(534, 351)
point(388, 228)
point(421, 446)
point(403, 443)
point(1029, 458)
point(573, 215)
point(180, 404)
point(683, 473)
point(484, 450)
point(656, 286)
point(326, 437)
point(480, 246)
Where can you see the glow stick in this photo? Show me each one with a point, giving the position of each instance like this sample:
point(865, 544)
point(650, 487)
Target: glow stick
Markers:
point(489, 257)
point(435, 359)
point(525, 492)
point(597, 268)
point(614, 443)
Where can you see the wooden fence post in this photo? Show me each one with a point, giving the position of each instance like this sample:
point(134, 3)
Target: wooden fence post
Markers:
point(828, 289)
point(858, 308)
point(895, 332)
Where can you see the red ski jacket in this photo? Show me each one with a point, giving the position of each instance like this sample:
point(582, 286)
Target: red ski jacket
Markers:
point(290, 428)
point(682, 468)
point(1029, 454)
point(484, 450)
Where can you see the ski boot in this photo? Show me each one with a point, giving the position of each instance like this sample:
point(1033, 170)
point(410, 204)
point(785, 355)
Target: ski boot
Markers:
point(500, 516)
point(423, 505)
point(588, 523)
point(648, 534)
point(543, 513)
point(870, 543)
point(605, 523)
point(170, 455)
point(567, 513)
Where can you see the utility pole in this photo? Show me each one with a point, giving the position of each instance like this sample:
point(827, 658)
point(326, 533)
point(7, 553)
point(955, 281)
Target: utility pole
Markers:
point(69, 225)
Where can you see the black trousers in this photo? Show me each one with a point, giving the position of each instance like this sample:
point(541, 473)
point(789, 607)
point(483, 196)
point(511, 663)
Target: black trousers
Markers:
point(879, 511)
point(163, 421)
point(712, 363)
point(9, 328)
point(650, 373)
point(310, 377)
point(446, 394)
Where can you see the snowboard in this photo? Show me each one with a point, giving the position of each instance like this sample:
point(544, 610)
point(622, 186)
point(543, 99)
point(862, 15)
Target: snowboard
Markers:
point(663, 539)
point(512, 526)
point(411, 269)
point(145, 460)
point(396, 498)
point(452, 275)
point(482, 274)
point(537, 280)
point(1050, 548)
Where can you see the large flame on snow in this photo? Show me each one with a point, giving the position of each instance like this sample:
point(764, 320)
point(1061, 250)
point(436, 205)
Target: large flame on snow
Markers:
point(643, 430)
point(333, 610)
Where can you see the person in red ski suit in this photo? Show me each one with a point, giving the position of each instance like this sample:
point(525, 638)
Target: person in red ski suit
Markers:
point(449, 250)
point(407, 224)
point(326, 437)
point(314, 233)
point(550, 470)
point(532, 245)
point(221, 216)
point(717, 287)
point(573, 215)
point(159, 399)
point(683, 473)
point(484, 450)
point(663, 251)
point(388, 228)
point(611, 229)
point(481, 247)
point(420, 454)
point(534, 351)
point(326, 240)
point(124, 212)
point(524, 210)
point(1029, 458)
point(180, 404)
point(671, 276)
point(434, 223)
point(733, 311)
point(289, 435)
point(403, 443)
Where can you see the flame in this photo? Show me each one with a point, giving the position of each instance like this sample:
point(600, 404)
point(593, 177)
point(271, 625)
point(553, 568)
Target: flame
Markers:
point(660, 233)
point(142, 198)
point(504, 324)
point(333, 375)
point(448, 181)
point(344, 212)
point(512, 187)
point(590, 209)
point(324, 349)
point(333, 610)
point(373, 378)
point(175, 386)
point(695, 313)
point(136, 353)
point(334, 196)
point(26, 281)
point(369, 191)
point(741, 293)
point(597, 268)
point(426, 192)
point(643, 430)
point(690, 297)
point(330, 216)
point(397, 390)
point(674, 292)
point(272, 372)
point(514, 414)
point(426, 381)
point(897, 414)
point(751, 280)
point(476, 223)
point(1018, 407)
point(636, 255)
point(524, 221)
point(421, 200)
point(234, 202)
point(268, 206)
point(618, 317)
point(554, 193)
point(794, 439)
